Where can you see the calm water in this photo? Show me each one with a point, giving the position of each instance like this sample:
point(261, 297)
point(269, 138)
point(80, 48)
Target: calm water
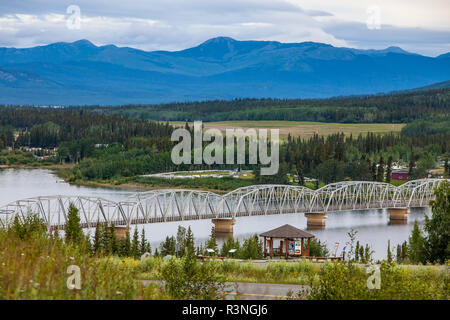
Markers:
point(372, 225)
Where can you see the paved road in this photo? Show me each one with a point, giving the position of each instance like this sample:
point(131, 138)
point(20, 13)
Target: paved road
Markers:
point(255, 291)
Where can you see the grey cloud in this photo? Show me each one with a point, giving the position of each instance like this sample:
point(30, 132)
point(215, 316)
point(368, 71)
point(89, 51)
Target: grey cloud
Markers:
point(178, 24)
point(354, 31)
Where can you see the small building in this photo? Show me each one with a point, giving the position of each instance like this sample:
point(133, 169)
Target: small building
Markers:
point(399, 175)
point(290, 240)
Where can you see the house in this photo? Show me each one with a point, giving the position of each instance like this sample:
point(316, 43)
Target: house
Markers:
point(399, 175)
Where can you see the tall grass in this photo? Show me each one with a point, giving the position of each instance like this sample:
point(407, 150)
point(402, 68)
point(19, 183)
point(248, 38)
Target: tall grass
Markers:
point(299, 272)
point(36, 268)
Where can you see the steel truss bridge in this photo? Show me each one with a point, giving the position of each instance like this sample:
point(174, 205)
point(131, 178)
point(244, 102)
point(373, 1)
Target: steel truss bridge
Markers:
point(178, 205)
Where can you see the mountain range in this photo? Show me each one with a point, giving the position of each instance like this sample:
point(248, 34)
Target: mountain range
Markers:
point(81, 73)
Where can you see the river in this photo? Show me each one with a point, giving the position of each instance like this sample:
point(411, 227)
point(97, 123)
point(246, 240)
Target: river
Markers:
point(372, 225)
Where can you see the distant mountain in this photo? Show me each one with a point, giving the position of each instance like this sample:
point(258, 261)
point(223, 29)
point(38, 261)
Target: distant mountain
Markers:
point(433, 86)
point(81, 73)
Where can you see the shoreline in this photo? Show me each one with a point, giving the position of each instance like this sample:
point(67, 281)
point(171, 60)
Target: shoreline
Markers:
point(27, 166)
point(135, 186)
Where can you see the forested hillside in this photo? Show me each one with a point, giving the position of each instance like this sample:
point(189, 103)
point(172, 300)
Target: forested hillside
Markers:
point(396, 107)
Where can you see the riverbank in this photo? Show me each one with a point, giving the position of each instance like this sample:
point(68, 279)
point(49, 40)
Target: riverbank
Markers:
point(132, 185)
point(37, 166)
point(211, 184)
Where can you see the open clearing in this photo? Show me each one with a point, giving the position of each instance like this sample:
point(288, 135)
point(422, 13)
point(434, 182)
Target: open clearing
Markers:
point(304, 128)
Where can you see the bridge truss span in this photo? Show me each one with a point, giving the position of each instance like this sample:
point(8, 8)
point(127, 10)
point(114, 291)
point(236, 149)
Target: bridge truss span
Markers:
point(168, 205)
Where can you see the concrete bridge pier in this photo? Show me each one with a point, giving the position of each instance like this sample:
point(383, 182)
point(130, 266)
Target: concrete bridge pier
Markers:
point(316, 220)
point(398, 215)
point(121, 232)
point(223, 227)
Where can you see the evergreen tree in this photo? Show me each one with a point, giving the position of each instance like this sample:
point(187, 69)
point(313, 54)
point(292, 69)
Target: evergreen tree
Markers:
point(438, 227)
point(380, 172)
point(411, 170)
point(404, 250)
point(374, 171)
point(135, 244)
point(74, 232)
point(97, 238)
point(446, 169)
point(114, 242)
point(126, 245)
point(416, 245)
point(399, 253)
point(389, 253)
point(361, 254)
point(389, 170)
point(357, 251)
point(211, 243)
point(189, 242)
point(143, 246)
point(168, 246)
point(229, 244)
point(181, 238)
point(251, 248)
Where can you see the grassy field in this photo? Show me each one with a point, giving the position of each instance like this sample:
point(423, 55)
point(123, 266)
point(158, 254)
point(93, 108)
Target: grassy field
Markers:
point(303, 128)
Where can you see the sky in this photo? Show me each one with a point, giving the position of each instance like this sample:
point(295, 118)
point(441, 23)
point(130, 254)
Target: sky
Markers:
point(415, 25)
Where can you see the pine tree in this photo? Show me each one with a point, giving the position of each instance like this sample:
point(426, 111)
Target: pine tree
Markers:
point(143, 245)
point(212, 243)
point(361, 254)
point(126, 245)
point(404, 250)
point(389, 170)
point(438, 227)
point(357, 251)
point(74, 232)
point(411, 169)
point(114, 242)
point(189, 242)
point(399, 253)
point(374, 171)
point(446, 169)
point(97, 236)
point(380, 172)
point(135, 245)
point(389, 253)
point(416, 245)
point(181, 238)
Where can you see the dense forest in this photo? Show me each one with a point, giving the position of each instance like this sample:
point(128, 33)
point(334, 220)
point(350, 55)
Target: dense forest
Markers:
point(116, 148)
point(388, 108)
point(74, 132)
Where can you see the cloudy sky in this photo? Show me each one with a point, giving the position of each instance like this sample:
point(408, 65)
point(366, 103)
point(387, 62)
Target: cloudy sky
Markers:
point(414, 25)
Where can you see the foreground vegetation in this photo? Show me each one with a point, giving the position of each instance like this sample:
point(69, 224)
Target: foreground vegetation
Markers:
point(34, 265)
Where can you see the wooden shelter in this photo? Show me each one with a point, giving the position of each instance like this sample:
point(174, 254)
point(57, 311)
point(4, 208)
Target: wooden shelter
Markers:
point(292, 241)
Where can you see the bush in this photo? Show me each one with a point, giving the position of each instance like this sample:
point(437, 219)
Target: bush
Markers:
point(186, 278)
point(344, 281)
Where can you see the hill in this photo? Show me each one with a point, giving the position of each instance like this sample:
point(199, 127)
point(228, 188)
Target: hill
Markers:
point(395, 107)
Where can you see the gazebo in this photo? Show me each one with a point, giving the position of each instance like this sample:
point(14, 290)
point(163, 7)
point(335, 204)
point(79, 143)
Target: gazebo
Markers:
point(291, 239)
